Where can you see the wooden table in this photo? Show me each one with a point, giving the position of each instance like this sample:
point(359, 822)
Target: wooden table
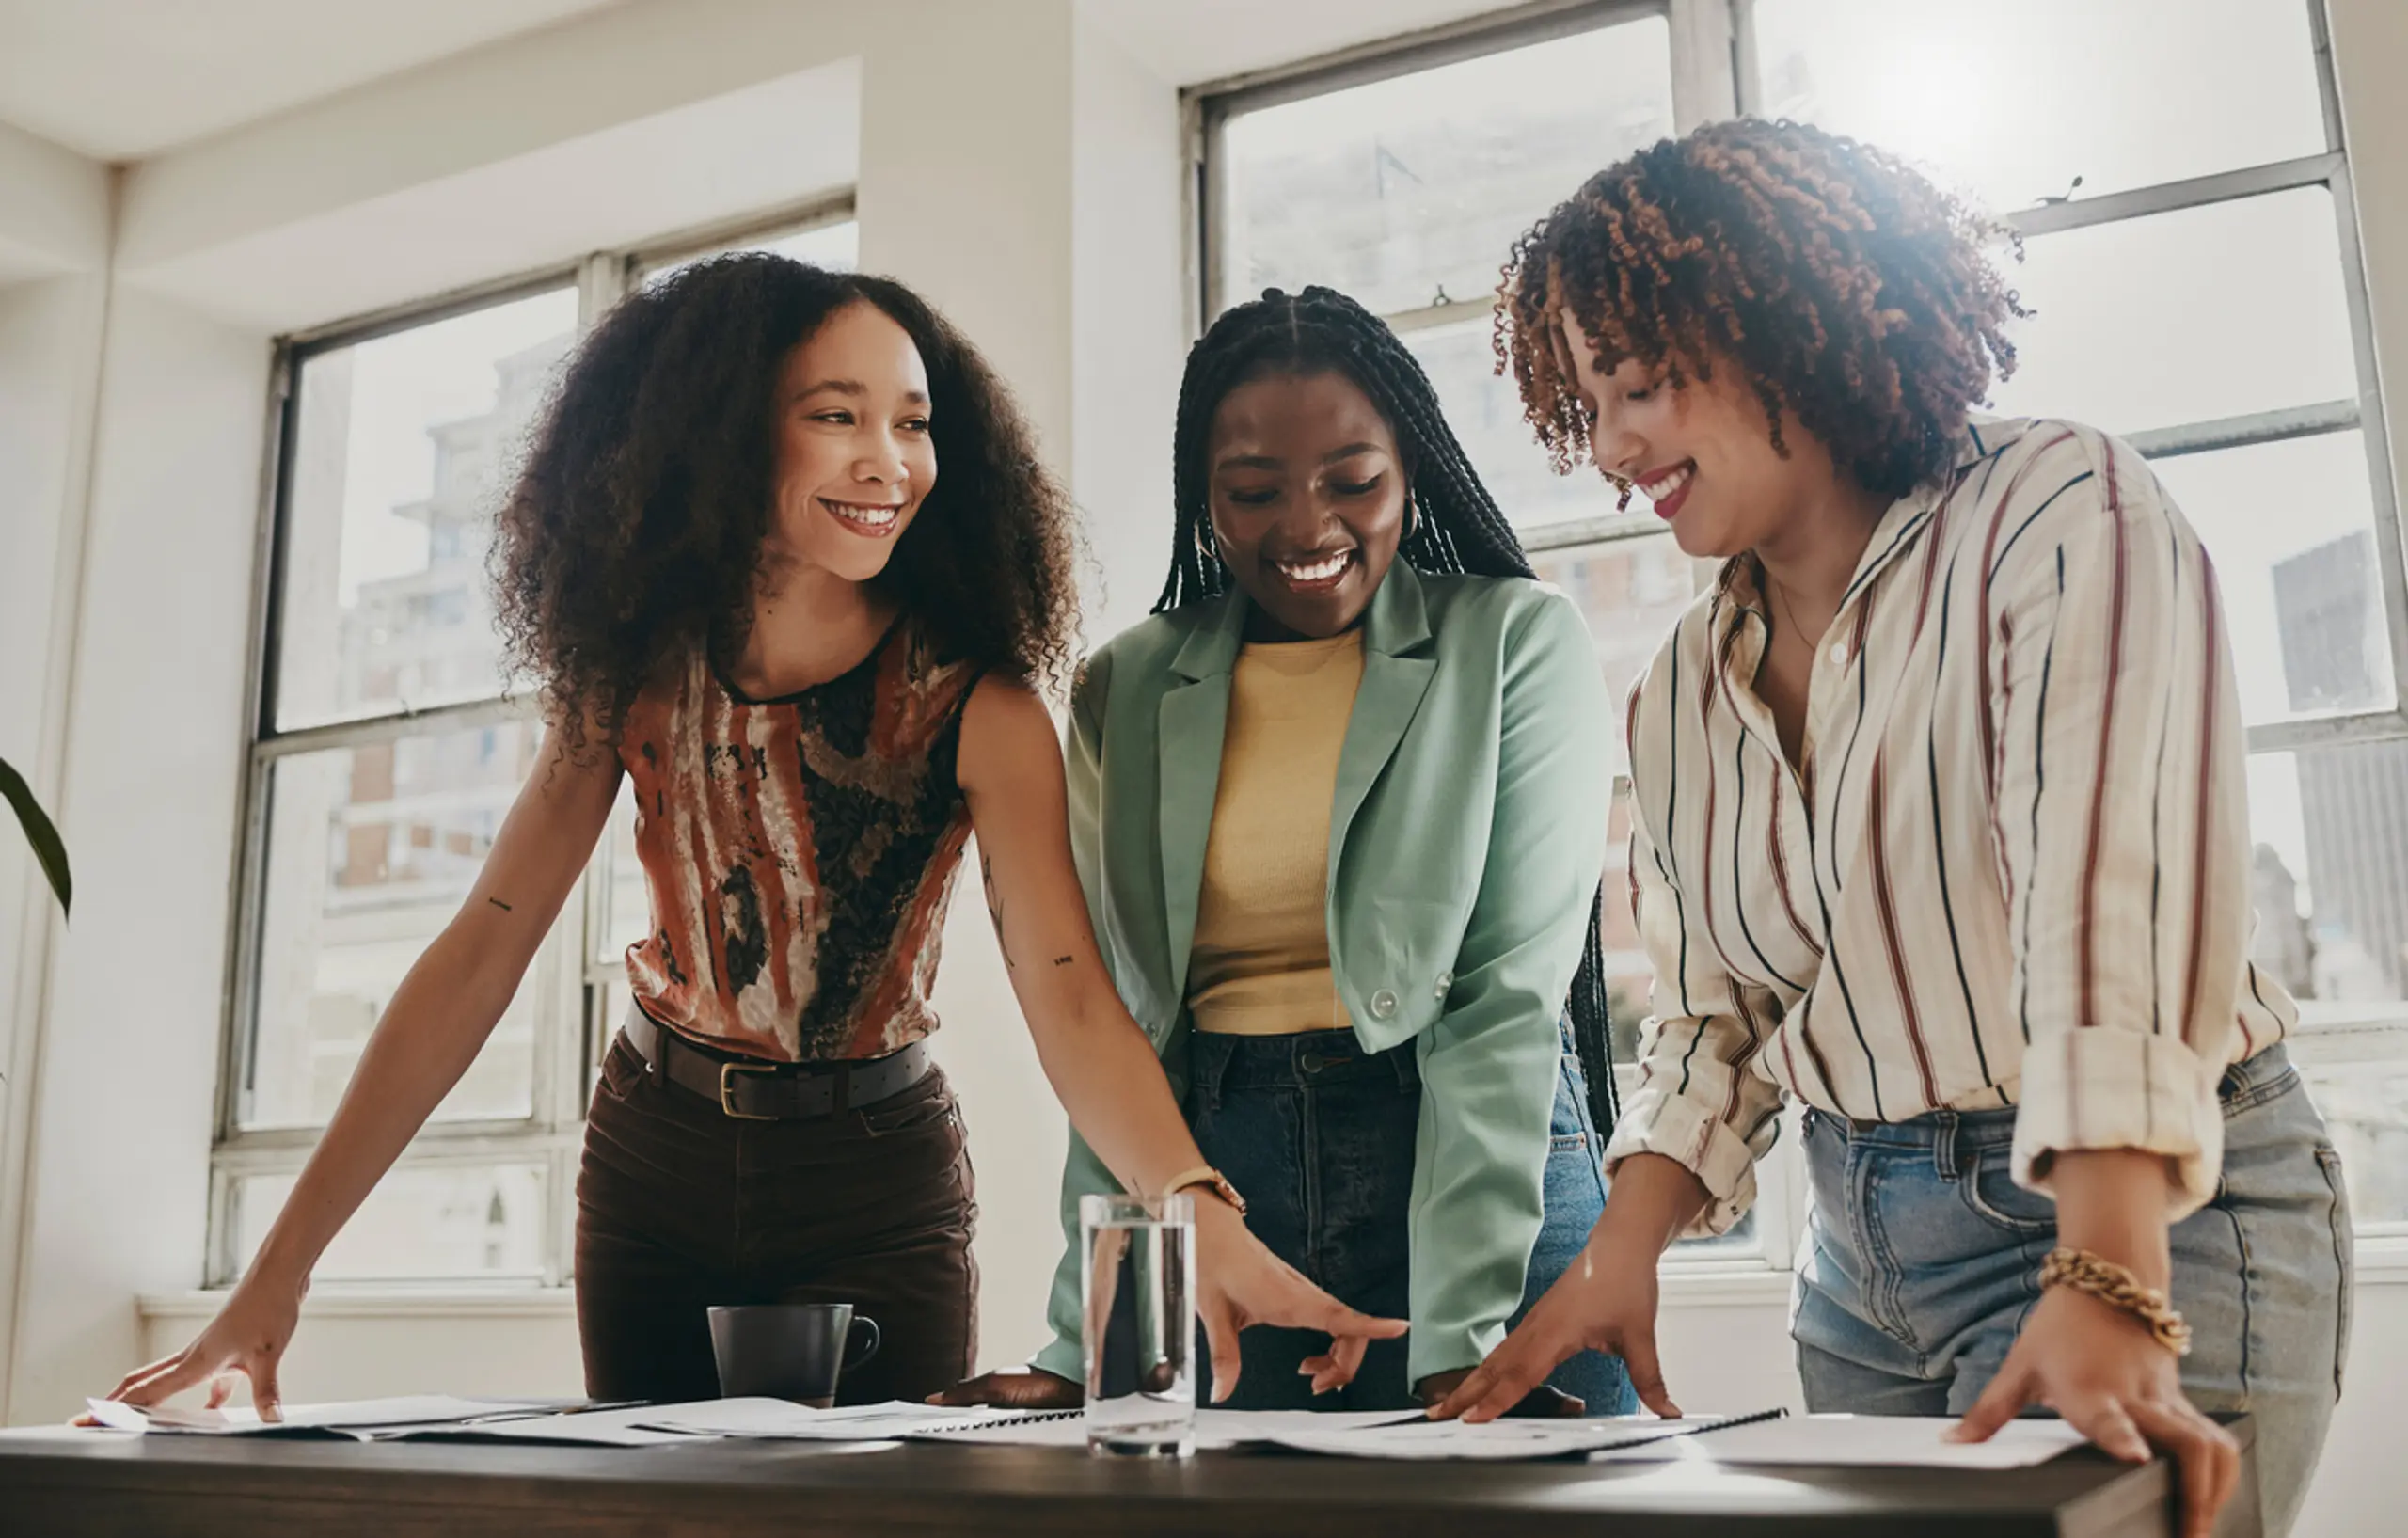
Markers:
point(103, 1485)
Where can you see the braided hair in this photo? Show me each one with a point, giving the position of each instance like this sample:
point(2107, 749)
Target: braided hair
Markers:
point(1459, 530)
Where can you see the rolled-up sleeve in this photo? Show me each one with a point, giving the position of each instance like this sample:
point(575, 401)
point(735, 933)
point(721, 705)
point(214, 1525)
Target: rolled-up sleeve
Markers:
point(1698, 1102)
point(2120, 822)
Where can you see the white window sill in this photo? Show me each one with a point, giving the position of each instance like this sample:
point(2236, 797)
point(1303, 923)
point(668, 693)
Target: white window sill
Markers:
point(331, 1301)
point(2381, 1261)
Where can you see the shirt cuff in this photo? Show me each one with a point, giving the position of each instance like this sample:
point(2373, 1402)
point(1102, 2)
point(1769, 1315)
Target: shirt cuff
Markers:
point(1430, 1350)
point(2106, 1088)
point(1063, 1359)
point(1660, 1122)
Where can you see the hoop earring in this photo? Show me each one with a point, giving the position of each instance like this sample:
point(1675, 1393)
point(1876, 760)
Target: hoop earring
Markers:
point(1208, 548)
point(1412, 517)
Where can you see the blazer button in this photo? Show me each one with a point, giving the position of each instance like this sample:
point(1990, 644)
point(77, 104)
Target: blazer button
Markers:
point(1446, 981)
point(1383, 1004)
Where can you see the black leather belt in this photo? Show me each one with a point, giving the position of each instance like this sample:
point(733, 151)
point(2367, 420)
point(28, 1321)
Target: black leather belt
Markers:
point(752, 1091)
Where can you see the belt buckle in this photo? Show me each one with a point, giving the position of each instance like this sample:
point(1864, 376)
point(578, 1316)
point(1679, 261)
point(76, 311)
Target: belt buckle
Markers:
point(727, 1090)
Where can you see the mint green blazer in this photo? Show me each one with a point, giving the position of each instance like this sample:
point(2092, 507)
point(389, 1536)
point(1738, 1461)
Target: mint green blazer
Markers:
point(1466, 842)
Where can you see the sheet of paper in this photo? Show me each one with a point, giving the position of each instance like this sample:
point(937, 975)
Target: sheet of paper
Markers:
point(787, 1421)
point(352, 1417)
point(1216, 1431)
point(641, 1425)
point(1866, 1441)
point(1495, 1441)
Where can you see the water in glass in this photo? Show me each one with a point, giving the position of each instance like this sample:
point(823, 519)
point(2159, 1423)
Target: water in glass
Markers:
point(1138, 1288)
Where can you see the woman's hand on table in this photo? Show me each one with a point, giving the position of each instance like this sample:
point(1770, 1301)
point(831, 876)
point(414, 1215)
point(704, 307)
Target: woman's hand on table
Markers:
point(2100, 1370)
point(1606, 1302)
point(1032, 1389)
point(1544, 1403)
point(248, 1335)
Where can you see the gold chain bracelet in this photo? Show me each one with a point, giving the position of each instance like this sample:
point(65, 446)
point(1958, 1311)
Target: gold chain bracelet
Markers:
point(2116, 1287)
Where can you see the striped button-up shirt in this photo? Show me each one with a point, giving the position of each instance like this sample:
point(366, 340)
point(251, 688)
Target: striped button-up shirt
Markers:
point(2016, 869)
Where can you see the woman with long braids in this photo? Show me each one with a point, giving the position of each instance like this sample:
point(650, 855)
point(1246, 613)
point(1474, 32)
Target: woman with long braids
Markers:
point(748, 588)
point(1941, 829)
point(1339, 811)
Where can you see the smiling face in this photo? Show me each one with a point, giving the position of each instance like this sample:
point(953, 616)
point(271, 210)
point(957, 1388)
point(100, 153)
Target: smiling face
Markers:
point(855, 460)
point(1308, 492)
point(1700, 452)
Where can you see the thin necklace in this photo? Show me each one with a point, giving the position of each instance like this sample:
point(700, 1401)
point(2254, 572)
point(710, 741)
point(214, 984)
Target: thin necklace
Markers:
point(1781, 597)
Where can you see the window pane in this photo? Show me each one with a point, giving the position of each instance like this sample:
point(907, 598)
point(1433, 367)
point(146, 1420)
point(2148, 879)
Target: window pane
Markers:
point(2135, 323)
point(1397, 190)
point(613, 999)
point(2366, 1109)
point(2330, 886)
point(837, 246)
point(1631, 592)
point(422, 1222)
point(2013, 102)
point(1485, 411)
point(401, 448)
point(628, 903)
point(2292, 528)
point(371, 850)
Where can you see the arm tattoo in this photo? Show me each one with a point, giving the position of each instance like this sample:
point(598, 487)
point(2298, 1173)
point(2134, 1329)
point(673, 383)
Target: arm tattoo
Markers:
point(1061, 960)
point(995, 908)
point(499, 903)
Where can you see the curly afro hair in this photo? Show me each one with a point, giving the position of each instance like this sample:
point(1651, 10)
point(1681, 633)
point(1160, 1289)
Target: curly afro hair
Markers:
point(636, 526)
point(1851, 294)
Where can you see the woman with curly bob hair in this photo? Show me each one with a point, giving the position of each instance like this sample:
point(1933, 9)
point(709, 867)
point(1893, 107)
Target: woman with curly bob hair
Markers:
point(819, 666)
point(1940, 828)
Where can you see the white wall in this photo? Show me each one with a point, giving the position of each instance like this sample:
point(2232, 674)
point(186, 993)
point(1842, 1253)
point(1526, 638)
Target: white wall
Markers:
point(1053, 235)
point(120, 1127)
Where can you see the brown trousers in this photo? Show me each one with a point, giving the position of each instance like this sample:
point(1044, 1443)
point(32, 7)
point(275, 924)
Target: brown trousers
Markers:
point(681, 1208)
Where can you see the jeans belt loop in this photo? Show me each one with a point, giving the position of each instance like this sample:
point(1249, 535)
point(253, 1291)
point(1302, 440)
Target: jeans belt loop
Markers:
point(1208, 1059)
point(1945, 1131)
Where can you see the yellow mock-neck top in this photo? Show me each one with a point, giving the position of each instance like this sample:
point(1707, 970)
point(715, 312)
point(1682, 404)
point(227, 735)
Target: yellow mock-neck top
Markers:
point(1260, 961)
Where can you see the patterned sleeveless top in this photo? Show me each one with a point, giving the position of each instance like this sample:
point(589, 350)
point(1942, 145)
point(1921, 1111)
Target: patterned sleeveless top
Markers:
point(800, 853)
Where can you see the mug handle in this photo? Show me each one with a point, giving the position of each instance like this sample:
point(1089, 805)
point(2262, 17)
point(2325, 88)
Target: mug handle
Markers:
point(868, 1350)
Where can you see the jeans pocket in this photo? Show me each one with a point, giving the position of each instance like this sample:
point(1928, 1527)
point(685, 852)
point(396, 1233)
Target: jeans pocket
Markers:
point(2344, 1240)
point(1988, 1188)
point(622, 1070)
point(927, 1101)
point(1567, 1143)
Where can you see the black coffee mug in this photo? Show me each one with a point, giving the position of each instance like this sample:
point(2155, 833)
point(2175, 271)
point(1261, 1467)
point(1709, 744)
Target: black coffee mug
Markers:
point(793, 1350)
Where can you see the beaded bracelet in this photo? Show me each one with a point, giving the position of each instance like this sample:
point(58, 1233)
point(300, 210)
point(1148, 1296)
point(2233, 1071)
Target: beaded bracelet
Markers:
point(2116, 1287)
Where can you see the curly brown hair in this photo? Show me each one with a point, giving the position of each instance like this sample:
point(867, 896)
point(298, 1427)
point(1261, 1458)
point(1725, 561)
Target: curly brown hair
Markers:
point(636, 526)
point(1850, 291)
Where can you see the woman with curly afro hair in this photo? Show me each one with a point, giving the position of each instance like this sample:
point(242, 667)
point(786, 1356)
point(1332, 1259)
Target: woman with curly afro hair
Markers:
point(787, 567)
point(1941, 830)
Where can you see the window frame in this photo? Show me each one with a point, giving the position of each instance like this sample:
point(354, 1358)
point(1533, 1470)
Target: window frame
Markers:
point(569, 984)
point(1716, 74)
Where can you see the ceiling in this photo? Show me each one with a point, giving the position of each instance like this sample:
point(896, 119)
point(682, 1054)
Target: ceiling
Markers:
point(120, 80)
point(123, 79)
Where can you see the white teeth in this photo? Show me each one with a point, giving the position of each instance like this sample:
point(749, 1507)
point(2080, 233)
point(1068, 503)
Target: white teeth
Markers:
point(1318, 571)
point(864, 514)
point(1668, 483)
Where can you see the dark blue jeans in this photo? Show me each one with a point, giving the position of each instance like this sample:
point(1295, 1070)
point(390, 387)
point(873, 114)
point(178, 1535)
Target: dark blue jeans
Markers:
point(1320, 1136)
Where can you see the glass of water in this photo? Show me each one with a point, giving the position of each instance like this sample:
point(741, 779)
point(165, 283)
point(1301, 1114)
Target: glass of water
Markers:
point(1138, 1285)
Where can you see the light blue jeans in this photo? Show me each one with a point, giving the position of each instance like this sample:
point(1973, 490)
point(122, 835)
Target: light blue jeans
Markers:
point(1922, 1257)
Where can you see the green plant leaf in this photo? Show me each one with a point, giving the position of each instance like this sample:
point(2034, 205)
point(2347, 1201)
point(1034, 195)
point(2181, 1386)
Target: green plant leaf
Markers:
point(41, 833)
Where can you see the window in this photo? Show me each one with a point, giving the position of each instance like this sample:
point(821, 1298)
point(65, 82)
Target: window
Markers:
point(2167, 212)
point(386, 751)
